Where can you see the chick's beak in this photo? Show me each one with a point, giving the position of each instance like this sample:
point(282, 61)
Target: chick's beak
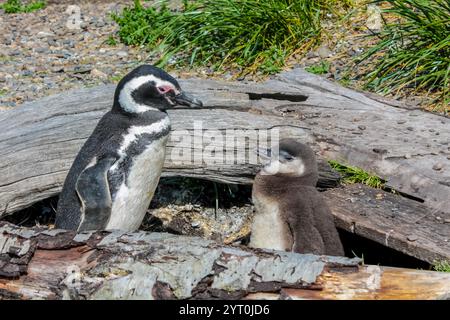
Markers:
point(186, 100)
point(264, 154)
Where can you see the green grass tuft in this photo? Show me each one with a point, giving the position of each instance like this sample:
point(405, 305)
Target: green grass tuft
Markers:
point(321, 68)
point(250, 35)
point(16, 6)
point(442, 266)
point(357, 175)
point(413, 51)
point(111, 41)
point(115, 78)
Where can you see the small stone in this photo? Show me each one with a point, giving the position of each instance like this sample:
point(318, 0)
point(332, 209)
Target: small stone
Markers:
point(311, 54)
point(195, 224)
point(412, 237)
point(122, 54)
point(410, 128)
point(379, 196)
point(438, 166)
point(324, 52)
point(98, 74)
point(82, 69)
point(83, 25)
point(57, 69)
point(41, 50)
point(438, 218)
point(69, 43)
point(44, 34)
point(361, 127)
point(52, 42)
point(447, 221)
point(374, 20)
point(407, 156)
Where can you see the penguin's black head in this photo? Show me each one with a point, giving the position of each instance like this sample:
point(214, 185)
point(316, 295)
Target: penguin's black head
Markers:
point(150, 88)
point(289, 158)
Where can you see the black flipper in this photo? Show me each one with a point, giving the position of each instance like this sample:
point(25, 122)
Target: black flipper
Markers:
point(93, 190)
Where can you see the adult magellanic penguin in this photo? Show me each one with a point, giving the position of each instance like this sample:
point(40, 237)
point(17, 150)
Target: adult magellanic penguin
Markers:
point(113, 178)
point(291, 215)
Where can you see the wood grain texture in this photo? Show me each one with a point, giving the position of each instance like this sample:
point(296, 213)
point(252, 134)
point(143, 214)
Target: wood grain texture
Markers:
point(376, 283)
point(391, 220)
point(40, 139)
point(58, 264)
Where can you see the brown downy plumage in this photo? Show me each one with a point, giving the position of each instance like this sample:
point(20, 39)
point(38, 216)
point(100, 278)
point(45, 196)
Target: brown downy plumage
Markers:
point(291, 214)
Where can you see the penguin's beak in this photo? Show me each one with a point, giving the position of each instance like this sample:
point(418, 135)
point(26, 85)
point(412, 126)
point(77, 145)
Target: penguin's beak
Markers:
point(186, 100)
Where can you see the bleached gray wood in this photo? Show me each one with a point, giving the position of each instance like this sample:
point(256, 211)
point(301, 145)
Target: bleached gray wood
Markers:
point(57, 264)
point(392, 220)
point(40, 139)
point(102, 265)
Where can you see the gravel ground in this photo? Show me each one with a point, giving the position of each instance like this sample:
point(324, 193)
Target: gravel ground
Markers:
point(40, 55)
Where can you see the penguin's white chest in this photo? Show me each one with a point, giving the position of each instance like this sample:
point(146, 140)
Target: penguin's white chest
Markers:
point(133, 197)
point(268, 228)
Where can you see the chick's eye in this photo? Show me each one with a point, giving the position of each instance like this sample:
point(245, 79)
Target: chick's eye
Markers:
point(286, 156)
point(164, 89)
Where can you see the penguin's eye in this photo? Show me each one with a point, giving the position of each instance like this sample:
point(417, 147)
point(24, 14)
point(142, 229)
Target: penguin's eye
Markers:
point(164, 89)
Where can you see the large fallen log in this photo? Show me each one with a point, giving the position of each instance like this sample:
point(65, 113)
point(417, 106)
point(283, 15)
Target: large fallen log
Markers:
point(406, 147)
point(391, 220)
point(57, 264)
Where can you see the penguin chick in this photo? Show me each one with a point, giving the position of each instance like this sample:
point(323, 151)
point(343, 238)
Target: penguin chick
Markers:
point(114, 176)
point(291, 214)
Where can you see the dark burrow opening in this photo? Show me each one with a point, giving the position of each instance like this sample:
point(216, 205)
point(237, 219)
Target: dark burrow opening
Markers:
point(203, 193)
point(372, 252)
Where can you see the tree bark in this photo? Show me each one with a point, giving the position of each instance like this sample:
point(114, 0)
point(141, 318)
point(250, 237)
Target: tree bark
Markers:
point(406, 147)
point(58, 264)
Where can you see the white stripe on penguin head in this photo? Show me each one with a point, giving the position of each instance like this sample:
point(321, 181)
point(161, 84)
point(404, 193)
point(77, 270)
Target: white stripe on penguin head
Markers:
point(126, 99)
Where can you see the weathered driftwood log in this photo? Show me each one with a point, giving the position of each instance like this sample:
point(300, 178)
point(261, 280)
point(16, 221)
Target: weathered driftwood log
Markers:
point(406, 147)
point(392, 220)
point(59, 264)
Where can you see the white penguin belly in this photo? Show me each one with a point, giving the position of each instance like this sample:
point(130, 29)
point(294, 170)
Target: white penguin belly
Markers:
point(268, 229)
point(132, 199)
